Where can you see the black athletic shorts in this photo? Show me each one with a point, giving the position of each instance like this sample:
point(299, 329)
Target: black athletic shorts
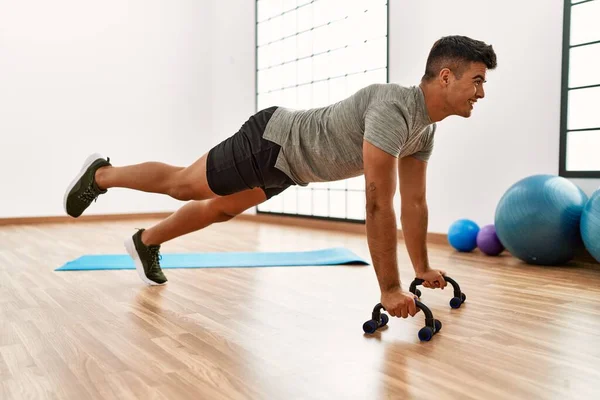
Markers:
point(246, 161)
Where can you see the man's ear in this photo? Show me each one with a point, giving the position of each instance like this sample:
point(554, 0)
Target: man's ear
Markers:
point(445, 75)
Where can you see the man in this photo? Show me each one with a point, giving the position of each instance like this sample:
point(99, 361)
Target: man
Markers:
point(384, 131)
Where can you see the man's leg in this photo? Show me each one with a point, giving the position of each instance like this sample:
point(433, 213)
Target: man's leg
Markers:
point(223, 182)
point(144, 246)
point(197, 215)
point(98, 175)
point(230, 167)
point(181, 183)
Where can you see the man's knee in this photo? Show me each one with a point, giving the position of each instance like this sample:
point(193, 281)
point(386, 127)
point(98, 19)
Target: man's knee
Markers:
point(187, 186)
point(182, 190)
point(222, 212)
point(226, 215)
point(228, 207)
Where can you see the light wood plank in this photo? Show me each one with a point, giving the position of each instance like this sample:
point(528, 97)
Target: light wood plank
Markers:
point(283, 333)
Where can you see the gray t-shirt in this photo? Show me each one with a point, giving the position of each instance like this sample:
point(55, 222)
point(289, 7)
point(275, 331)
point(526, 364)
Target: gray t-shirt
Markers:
point(325, 144)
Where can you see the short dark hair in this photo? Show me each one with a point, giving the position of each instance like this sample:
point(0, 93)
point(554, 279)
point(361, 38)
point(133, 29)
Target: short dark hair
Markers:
point(454, 51)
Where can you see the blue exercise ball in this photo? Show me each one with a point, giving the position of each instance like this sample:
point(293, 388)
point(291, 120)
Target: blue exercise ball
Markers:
point(590, 225)
point(538, 219)
point(462, 235)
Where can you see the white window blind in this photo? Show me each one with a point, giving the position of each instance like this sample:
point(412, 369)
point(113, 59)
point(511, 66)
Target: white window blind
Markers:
point(310, 54)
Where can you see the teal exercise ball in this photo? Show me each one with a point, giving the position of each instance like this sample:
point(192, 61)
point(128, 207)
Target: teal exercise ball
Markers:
point(590, 225)
point(538, 219)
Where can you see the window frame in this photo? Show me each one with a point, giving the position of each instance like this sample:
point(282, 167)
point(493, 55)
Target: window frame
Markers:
point(564, 131)
point(298, 215)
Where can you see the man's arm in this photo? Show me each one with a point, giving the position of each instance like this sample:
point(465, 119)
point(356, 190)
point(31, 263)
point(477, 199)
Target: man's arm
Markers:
point(381, 182)
point(414, 216)
point(414, 212)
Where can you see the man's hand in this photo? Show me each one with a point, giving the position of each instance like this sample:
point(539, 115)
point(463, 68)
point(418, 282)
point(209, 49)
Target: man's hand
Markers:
point(433, 278)
point(399, 304)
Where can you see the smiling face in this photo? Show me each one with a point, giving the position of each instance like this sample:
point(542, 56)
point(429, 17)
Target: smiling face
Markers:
point(462, 90)
point(455, 72)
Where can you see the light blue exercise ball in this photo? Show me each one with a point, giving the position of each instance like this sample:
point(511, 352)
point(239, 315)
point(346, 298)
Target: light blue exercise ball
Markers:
point(462, 235)
point(590, 225)
point(538, 219)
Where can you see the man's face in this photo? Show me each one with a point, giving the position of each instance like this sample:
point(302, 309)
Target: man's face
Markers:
point(464, 92)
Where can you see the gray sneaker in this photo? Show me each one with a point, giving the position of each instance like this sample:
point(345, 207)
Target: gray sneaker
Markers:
point(83, 190)
point(146, 258)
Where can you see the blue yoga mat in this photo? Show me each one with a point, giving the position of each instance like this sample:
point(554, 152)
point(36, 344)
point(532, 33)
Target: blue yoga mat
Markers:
point(326, 257)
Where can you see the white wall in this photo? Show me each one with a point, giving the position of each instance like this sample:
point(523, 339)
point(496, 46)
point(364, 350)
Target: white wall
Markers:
point(130, 79)
point(157, 80)
point(514, 131)
point(587, 185)
point(233, 67)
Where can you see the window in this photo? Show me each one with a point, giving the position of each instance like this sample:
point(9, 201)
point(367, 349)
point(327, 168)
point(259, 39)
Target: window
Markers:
point(580, 119)
point(310, 54)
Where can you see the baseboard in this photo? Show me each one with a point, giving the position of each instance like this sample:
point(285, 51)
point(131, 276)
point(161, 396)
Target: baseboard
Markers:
point(83, 218)
point(296, 221)
point(322, 224)
point(304, 222)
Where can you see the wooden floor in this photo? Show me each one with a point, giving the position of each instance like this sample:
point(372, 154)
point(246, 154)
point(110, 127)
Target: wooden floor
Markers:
point(283, 333)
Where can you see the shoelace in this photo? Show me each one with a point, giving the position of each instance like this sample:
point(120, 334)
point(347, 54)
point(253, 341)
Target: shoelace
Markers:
point(90, 194)
point(155, 257)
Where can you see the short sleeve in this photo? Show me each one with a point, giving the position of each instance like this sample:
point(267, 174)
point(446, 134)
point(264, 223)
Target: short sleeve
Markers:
point(386, 127)
point(427, 147)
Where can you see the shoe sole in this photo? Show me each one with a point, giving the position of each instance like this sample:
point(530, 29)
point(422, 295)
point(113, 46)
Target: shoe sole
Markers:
point(130, 247)
point(84, 168)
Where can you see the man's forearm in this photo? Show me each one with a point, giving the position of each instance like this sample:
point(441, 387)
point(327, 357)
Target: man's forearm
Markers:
point(414, 218)
point(382, 240)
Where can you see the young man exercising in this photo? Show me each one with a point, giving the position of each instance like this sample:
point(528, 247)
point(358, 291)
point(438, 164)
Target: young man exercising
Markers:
point(384, 131)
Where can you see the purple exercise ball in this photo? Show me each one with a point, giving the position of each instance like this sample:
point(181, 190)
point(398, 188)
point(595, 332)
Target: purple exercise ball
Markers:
point(488, 241)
